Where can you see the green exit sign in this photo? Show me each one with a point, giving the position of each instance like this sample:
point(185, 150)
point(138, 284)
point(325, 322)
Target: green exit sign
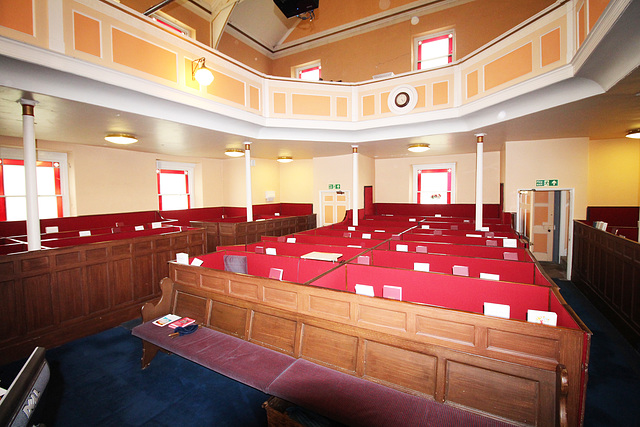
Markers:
point(546, 182)
point(334, 186)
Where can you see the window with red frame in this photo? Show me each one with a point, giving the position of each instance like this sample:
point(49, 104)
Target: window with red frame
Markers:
point(311, 73)
point(173, 189)
point(434, 186)
point(13, 195)
point(434, 51)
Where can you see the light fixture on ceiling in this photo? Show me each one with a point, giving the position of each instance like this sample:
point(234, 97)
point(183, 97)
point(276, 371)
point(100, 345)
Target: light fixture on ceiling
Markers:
point(635, 134)
point(285, 159)
point(121, 138)
point(200, 73)
point(418, 148)
point(234, 152)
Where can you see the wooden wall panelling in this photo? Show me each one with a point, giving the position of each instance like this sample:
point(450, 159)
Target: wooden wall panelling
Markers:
point(56, 295)
point(606, 268)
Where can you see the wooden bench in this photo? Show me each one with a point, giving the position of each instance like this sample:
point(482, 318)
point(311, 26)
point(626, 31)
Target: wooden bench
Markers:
point(329, 391)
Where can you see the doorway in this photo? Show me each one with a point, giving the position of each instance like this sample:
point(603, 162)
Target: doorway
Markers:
point(333, 206)
point(545, 218)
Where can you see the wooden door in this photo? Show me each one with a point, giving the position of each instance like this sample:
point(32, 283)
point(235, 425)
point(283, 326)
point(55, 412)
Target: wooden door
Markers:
point(543, 225)
point(334, 205)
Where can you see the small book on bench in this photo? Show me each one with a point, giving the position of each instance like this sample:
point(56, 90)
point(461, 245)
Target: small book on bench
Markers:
point(181, 323)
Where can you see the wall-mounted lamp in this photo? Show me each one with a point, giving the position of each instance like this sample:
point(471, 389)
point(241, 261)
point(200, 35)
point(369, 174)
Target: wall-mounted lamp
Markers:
point(635, 134)
point(285, 159)
point(234, 152)
point(418, 148)
point(121, 138)
point(200, 73)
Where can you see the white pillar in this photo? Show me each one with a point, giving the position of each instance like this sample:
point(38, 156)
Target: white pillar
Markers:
point(356, 185)
point(31, 180)
point(479, 178)
point(247, 167)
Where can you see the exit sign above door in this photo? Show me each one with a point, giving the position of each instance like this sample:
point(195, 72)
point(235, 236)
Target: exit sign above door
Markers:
point(546, 182)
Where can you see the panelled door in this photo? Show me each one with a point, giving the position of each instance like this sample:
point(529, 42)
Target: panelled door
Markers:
point(543, 225)
point(334, 205)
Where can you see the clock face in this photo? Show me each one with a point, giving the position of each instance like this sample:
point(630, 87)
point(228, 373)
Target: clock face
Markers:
point(402, 99)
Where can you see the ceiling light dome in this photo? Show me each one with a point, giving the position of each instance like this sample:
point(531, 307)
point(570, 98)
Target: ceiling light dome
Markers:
point(234, 152)
point(634, 134)
point(285, 159)
point(419, 148)
point(121, 138)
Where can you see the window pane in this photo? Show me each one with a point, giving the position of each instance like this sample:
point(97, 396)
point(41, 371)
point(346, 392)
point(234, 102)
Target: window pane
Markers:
point(434, 63)
point(172, 183)
point(434, 49)
point(13, 177)
point(46, 181)
point(175, 202)
point(16, 208)
point(434, 182)
point(310, 74)
point(48, 207)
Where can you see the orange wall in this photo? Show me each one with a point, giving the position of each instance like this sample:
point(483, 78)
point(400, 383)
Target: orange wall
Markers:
point(239, 51)
point(360, 57)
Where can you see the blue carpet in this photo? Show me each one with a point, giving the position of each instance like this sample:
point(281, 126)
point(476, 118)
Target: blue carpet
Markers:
point(97, 381)
point(613, 387)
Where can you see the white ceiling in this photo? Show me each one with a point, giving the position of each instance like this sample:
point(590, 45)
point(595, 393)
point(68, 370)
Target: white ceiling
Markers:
point(547, 113)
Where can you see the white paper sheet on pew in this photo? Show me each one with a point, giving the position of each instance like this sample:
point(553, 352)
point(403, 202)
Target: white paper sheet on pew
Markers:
point(85, 233)
point(197, 262)
point(351, 228)
point(275, 273)
point(354, 246)
point(139, 227)
point(322, 256)
point(421, 266)
point(460, 270)
point(52, 229)
point(425, 227)
point(366, 235)
point(473, 235)
point(438, 215)
point(484, 229)
point(412, 220)
point(489, 276)
point(277, 214)
point(365, 290)
point(291, 239)
point(510, 243)
point(497, 310)
point(402, 248)
point(182, 258)
point(392, 292)
point(270, 251)
point(156, 225)
point(544, 317)
point(379, 231)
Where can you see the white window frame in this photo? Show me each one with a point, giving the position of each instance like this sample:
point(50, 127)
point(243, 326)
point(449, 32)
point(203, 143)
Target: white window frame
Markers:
point(173, 23)
point(419, 39)
point(46, 156)
point(190, 168)
point(428, 166)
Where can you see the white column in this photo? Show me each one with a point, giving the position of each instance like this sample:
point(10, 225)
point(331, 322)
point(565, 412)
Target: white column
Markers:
point(247, 167)
point(356, 185)
point(31, 180)
point(479, 178)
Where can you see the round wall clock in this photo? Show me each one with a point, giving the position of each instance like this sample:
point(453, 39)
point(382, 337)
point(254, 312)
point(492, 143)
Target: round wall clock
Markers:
point(402, 99)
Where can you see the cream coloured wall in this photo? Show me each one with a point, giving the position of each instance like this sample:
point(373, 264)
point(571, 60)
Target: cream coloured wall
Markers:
point(614, 172)
point(296, 181)
point(339, 170)
point(563, 159)
point(394, 177)
point(107, 180)
point(265, 176)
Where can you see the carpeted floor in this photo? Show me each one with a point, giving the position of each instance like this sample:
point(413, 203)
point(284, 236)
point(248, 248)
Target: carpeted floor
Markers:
point(97, 381)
